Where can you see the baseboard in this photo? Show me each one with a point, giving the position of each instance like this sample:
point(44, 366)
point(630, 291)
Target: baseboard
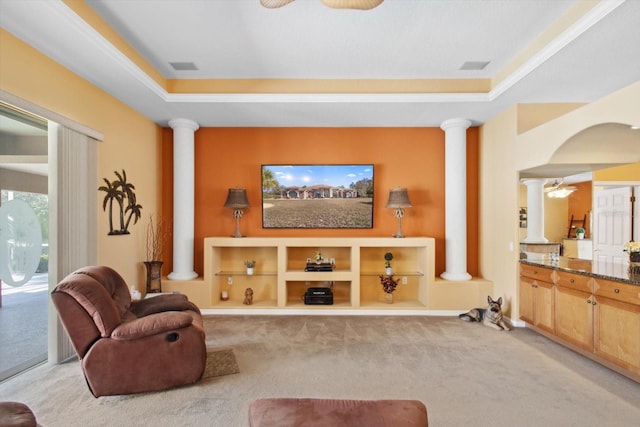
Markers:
point(327, 312)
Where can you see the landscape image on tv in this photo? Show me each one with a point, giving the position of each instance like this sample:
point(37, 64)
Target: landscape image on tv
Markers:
point(317, 196)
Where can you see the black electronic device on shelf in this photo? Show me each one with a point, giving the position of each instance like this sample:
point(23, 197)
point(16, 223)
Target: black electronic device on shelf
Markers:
point(318, 296)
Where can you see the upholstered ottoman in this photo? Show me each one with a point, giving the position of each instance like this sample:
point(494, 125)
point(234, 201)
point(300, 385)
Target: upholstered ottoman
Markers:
point(291, 412)
point(16, 414)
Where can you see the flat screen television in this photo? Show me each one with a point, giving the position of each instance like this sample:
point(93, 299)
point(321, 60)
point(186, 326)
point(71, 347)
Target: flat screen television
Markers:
point(317, 196)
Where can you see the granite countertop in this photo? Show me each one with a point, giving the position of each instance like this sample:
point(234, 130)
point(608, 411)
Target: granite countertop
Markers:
point(609, 271)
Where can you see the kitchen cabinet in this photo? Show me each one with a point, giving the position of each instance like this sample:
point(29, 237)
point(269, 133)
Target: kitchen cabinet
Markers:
point(617, 323)
point(537, 305)
point(574, 309)
point(594, 315)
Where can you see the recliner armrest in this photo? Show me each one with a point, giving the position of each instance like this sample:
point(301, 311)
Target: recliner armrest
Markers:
point(161, 303)
point(152, 325)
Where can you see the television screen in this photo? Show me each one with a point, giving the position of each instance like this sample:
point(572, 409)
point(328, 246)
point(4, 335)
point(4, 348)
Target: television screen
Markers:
point(317, 196)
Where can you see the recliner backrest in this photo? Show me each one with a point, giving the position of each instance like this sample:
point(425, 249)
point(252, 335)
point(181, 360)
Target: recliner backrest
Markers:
point(91, 304)
point(113, 283)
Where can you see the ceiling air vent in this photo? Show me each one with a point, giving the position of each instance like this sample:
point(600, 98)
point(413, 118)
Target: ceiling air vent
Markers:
point(474, 65)
point(183, 66)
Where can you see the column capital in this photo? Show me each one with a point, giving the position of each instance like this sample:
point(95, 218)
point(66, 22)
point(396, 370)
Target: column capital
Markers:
point(531, 181)
point(184, 123)
point(455, 123)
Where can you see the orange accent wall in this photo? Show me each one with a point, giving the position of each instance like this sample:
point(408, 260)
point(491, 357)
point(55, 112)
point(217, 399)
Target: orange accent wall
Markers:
point(580, 202)
point(408, 157)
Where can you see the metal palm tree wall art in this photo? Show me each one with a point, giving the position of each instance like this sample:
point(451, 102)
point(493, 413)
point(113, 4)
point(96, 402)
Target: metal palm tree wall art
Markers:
point(121, 191)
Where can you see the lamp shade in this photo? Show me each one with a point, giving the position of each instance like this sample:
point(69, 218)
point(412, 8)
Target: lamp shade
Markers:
point(399, 198)
point(237, 198)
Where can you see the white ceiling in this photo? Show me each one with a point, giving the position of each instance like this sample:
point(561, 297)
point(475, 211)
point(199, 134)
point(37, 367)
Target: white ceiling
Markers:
point(400, 39)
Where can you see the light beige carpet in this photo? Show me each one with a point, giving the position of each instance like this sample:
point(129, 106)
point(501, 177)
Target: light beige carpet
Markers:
point(465, 374)
point(220, 362)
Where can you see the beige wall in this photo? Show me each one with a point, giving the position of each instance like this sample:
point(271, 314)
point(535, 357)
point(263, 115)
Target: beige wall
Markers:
point(499, 228)
point(619, 173)
point(555, 218)
point(534, 115)
point(537, 146)
point(131, 141)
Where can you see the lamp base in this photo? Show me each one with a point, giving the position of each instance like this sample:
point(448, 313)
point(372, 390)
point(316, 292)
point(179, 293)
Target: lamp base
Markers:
point(399, 213)
point(237, 214)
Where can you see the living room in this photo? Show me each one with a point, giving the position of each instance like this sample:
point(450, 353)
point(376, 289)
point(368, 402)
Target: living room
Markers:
point(516, 138)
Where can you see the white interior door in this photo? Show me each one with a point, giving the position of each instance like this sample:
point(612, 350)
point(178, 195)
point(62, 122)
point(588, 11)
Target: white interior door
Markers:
point(611, 229)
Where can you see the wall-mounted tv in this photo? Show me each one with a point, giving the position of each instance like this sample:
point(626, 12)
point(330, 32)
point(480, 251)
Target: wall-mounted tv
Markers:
point(317, 196)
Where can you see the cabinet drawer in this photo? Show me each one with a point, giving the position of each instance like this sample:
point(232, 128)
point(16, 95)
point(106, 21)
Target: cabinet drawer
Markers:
point(574, 281)
point(536, 272)
point(618, 291)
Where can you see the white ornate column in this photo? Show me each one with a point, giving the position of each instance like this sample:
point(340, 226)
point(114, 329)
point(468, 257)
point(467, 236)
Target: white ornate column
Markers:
point(456, 199)
point(535, 211)
point(183, 198)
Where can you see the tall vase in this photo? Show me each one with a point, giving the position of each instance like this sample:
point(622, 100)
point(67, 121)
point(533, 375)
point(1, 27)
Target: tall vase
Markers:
point(154, 276)
point(388, 298)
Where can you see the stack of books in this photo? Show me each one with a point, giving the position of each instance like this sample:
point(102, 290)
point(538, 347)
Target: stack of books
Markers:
point(322, 266)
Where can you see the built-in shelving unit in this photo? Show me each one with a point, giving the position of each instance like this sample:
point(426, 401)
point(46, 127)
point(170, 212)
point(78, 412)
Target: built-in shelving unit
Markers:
point(280, 279)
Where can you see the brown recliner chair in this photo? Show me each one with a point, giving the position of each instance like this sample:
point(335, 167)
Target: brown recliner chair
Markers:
point(128, 346)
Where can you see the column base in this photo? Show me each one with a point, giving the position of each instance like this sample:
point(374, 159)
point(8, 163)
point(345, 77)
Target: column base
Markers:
point(457, 277)
point(182, 276)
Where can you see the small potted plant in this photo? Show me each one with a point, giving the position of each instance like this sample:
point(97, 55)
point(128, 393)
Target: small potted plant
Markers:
point(318, 257)
point(580, 233)
point(250, 264)
point(387, 263)
point(389, 285)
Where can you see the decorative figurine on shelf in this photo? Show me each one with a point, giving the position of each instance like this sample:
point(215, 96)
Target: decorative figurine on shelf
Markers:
point(318, 257)
point(248, 296)
point(387, 263)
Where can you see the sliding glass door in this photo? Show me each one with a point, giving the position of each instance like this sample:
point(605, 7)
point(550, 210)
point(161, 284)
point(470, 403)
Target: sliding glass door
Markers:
point(24, 231)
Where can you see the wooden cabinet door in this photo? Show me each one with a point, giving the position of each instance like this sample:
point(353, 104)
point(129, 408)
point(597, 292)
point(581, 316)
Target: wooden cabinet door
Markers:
point(574, 317)
point(526, 299)
point(544, 306)
point(617, 332)
point(537, 303)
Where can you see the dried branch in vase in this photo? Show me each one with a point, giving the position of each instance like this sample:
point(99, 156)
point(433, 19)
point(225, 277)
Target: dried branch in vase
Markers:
point(155, 239)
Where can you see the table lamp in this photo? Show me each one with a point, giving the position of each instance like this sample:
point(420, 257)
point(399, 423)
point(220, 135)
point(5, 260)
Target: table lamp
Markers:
point(237, 199)
point(398, 200)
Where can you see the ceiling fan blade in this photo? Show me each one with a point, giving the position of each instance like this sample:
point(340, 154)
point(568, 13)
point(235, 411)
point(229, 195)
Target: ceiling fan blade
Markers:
point(272, 4)
point(352, 4)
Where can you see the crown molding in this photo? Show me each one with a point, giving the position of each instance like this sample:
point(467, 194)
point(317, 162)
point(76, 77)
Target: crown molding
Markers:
point(590, 19)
